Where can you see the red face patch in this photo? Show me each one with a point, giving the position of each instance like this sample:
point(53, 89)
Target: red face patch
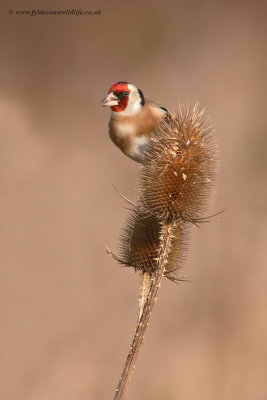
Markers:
point(117, 89)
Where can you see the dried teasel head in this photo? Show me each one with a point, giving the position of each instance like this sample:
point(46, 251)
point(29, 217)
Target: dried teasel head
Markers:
point(178, 173)
point(141, 240)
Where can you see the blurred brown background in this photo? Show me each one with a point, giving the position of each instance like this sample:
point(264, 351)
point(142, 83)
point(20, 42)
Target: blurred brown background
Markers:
point(67, 310)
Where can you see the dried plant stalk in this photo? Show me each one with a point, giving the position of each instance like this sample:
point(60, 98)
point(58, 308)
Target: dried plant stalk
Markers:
point(144, 292)
point(176, 181)
point(165, 244)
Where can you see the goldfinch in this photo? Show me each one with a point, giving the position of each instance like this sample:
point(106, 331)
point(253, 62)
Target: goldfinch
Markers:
point(132, 118)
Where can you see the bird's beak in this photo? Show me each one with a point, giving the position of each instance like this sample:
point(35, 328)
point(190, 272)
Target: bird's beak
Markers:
point(110, 100)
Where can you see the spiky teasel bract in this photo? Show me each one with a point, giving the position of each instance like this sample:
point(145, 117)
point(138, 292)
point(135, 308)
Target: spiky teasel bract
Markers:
point(178, 172)
point(141, 240)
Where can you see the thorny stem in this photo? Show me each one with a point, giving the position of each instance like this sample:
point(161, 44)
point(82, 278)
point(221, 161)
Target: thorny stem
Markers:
point(145, 317)
point(144, 292)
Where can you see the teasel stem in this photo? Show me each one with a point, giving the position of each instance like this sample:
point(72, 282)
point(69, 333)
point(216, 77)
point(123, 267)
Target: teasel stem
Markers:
point(144, 292)
point(165, 243)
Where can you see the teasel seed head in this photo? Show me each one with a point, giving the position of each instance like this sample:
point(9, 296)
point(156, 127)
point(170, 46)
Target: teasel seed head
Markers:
point(178, 173)
point(141, 240)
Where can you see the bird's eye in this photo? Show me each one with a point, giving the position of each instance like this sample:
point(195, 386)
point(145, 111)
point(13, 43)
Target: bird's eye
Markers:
point(122, 95)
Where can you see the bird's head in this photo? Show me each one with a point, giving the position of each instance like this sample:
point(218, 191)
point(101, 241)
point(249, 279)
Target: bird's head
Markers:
point(125, 98)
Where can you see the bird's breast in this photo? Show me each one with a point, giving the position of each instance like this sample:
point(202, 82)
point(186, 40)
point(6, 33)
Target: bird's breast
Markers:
point(128, 138)
point(132, 133)
point(122, 130)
